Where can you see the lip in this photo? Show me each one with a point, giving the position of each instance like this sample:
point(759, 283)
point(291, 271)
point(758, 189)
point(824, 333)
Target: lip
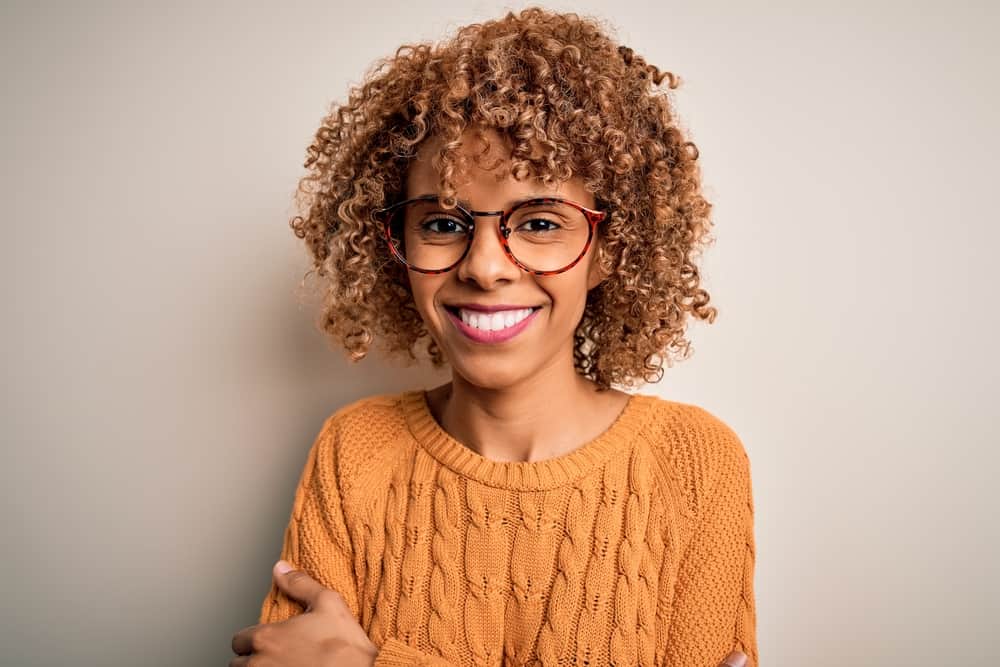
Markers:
point(491, 337)
point(482, 307)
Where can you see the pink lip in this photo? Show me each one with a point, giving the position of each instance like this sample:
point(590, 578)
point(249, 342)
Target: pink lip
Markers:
point(481, 336)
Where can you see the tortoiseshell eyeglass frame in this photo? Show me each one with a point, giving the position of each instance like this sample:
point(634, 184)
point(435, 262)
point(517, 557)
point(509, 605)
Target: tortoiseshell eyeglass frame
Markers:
point(384, 216)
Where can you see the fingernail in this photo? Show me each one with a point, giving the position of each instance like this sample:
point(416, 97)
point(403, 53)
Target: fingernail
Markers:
point(735, 659)
point(283, 566)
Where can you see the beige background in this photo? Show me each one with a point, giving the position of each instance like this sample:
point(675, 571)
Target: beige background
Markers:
point(163, 384)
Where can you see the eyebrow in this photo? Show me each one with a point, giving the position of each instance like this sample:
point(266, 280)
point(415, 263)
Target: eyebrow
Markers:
point(468, 205)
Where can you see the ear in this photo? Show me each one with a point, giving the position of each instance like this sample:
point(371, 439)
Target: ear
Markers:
point(595, 273)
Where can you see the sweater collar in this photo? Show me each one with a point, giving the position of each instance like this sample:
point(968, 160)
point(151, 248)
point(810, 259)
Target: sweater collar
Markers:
point(522, 475)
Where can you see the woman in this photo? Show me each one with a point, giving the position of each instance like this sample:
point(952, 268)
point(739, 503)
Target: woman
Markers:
point(521, 200)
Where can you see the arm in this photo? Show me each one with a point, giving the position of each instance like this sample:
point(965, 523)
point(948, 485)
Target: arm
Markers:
point(317, 542)
point(316, 539)
point(714, 611)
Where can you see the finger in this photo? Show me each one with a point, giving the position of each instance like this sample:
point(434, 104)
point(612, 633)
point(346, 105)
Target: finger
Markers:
point(243, 640)
point(242, 661)
point(734, 659)
point(297, 583)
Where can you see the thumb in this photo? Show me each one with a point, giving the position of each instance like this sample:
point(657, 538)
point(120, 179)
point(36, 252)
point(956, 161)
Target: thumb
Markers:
point(734, 659)
point(297, 583)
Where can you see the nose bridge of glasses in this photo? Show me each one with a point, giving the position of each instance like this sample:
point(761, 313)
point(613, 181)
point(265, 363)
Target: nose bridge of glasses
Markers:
point(488, 214)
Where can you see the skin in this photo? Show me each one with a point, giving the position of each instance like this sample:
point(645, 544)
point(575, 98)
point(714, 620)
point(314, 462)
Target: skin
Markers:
point(325, 634)
point(521, 400)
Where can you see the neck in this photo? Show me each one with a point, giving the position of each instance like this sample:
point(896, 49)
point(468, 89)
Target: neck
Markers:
point(546, 415)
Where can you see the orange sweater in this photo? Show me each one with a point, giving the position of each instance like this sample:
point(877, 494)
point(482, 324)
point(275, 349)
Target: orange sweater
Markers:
point(635, 549)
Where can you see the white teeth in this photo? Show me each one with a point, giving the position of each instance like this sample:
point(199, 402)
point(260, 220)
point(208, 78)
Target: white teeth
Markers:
point(493, 321)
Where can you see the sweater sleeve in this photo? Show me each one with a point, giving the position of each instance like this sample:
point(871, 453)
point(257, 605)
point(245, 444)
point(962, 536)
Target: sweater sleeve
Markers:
point(316, 538)
point(714, 611)
point(395, 652)
point(317, 541)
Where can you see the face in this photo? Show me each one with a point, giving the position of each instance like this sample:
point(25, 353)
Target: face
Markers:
point(487, 277)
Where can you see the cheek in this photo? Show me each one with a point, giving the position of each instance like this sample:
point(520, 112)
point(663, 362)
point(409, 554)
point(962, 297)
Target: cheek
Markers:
point(569, 295)
point(424, 288)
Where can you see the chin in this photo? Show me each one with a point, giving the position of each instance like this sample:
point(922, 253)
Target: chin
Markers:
point(489, 374)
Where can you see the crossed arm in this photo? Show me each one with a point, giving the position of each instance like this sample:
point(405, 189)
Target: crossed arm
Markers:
point(310, 614)
point(328, 633)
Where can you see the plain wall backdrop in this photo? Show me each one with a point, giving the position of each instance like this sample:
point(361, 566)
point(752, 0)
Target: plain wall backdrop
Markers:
point(163, 379)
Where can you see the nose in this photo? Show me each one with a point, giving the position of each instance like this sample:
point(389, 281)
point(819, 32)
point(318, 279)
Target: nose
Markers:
point(487, 263)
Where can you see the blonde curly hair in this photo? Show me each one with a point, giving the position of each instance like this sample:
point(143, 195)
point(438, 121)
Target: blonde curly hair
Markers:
point(570, 102)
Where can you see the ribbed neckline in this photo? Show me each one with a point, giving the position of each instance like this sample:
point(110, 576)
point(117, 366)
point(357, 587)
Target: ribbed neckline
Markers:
point(521, 475)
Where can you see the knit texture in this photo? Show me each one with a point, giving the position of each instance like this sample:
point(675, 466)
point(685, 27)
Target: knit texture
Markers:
point(637, 548)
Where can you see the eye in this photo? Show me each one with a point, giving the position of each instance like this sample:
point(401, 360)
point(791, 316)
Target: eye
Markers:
point(444, 226)
point(539, 225)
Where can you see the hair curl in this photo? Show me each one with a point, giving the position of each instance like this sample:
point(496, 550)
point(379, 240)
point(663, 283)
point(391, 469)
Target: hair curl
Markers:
point(569, 101)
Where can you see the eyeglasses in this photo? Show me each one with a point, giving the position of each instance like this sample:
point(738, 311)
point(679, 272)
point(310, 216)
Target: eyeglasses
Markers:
point(542, 235)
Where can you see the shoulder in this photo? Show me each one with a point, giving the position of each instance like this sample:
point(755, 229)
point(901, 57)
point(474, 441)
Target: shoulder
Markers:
point(361, 412)
point(362, 438)
point(697, 448)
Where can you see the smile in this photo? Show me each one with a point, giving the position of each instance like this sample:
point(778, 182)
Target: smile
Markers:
point(495, 327)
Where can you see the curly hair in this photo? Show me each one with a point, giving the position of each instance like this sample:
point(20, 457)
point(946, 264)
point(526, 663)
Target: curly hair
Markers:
point(568, 101)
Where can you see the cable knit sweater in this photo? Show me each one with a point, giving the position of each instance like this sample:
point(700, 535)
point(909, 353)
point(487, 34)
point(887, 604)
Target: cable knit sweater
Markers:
point(636, 548)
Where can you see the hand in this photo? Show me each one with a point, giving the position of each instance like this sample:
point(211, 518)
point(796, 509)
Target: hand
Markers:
point(326, 634)
point(734, 659)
